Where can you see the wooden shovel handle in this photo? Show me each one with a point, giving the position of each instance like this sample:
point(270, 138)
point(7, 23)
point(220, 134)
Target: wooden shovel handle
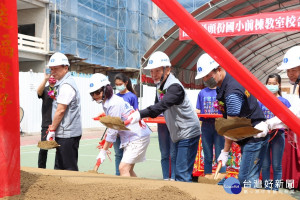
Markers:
point(218, 169)
point(97, 165)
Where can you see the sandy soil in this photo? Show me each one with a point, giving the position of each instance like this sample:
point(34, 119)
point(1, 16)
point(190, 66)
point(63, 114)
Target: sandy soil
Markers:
point(47, 184)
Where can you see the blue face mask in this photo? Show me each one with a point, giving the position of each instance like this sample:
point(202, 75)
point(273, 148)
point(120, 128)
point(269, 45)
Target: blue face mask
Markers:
point(121, 88)
point(273, 88)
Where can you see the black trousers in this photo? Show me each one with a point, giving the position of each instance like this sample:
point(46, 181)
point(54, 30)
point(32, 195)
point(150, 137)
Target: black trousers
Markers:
point(66, 157)
point(42, 160)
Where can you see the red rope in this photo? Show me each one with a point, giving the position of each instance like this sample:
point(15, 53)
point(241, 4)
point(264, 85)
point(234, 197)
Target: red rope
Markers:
point(273, 135)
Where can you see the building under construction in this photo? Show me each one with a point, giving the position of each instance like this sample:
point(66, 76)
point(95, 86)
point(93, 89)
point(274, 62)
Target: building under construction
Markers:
point(109, 33)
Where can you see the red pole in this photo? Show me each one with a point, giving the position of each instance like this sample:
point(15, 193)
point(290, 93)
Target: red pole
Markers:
point(9, 101)
point(221, 55)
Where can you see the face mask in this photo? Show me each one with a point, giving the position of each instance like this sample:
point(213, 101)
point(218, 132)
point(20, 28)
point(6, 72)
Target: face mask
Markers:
point(273, 88)
point(52, 80)
point(297, 81)
point(99, 101)
point(156, 82)
point(121, 87)
point(161, 78)
point(211, 83)
point(291, 82)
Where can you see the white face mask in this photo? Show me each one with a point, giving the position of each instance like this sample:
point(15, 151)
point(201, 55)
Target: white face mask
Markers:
point(291, 82)
point(156, 82)
point(161, 78)
point(99, 101)
point(121, 88)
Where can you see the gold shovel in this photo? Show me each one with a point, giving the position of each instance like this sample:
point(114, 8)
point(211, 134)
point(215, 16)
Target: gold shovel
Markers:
point(115, 123)
point(46, 145)
point(235, 128)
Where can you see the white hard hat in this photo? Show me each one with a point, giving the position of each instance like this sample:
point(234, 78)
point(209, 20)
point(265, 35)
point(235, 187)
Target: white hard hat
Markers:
point(291, 58)
point(205, 65)
point(97, 81)
point(158, 59)
point(58, 59)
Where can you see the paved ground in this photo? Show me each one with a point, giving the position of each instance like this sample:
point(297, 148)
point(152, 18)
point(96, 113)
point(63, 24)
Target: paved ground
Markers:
point(88, 152)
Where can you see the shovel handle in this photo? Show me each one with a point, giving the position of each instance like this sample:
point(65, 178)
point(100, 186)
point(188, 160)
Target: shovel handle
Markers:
point(127, 122)
point(97, 165)
point(218, 169)
point(99, 116)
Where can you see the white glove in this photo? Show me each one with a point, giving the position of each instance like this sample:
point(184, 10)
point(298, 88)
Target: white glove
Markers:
point(262, 126)
point(50, 134)
point(223, 157)
point(275, 123)
point(296, 109)
point(101, 155)
point(134, 117)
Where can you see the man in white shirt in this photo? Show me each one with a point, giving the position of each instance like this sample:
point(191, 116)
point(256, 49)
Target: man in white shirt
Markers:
point(291, 168)
point(66, 114)
point(291, 63)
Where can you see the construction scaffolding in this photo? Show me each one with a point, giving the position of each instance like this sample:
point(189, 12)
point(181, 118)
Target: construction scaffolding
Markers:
point(112, 33)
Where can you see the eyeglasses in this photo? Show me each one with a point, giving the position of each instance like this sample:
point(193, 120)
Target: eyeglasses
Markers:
point(97, 92)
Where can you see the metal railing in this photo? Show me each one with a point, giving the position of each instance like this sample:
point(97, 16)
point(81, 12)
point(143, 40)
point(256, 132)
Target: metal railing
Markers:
point(31, 44)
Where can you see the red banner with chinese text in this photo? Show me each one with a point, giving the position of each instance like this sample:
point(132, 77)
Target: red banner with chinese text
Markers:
point(146, 79)
point(9, 100)
point(251, 24)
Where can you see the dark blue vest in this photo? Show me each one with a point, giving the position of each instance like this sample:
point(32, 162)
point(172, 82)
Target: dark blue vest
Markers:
point(250, 108)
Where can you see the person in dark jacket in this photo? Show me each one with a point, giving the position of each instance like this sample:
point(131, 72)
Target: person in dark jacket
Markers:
point(43, 92)
point(180, 116)
point(236, 101)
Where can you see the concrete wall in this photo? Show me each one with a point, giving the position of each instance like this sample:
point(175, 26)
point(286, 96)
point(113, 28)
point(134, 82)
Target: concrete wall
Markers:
point(36, 66)
point(37, 16)
point(31, 122)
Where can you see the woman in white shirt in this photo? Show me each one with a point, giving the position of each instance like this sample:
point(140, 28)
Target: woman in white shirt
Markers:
point(135, 141)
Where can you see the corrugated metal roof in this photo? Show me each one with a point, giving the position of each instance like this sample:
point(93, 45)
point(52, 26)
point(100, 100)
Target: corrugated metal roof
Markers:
point(261, 54)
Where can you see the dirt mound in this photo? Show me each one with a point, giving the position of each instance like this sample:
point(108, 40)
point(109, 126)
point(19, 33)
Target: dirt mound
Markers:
point(208, 181)
point(44, 187)
point(46, 184)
